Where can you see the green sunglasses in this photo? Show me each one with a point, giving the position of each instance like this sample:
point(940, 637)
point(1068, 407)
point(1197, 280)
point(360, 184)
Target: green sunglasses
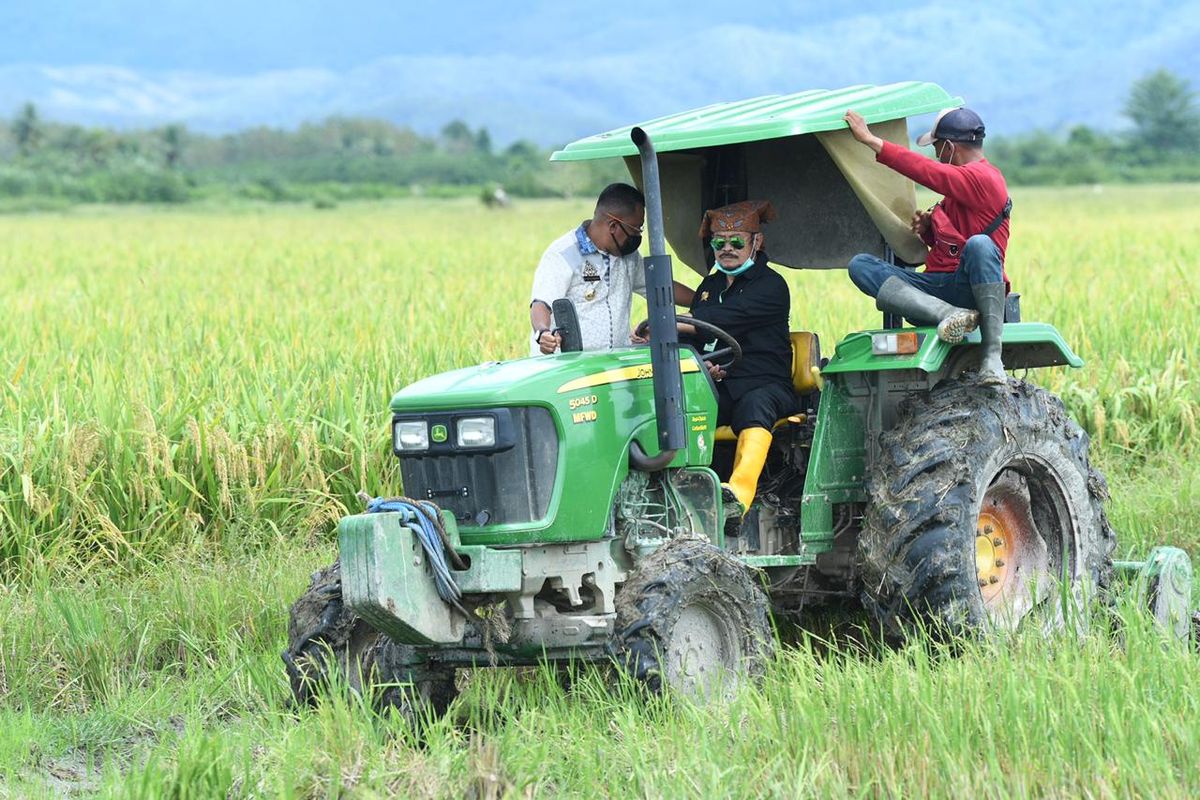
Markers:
point(737, 242)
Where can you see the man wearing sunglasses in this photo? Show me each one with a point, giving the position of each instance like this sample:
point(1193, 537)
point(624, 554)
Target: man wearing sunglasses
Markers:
point(598, 268)
point(967, 234)
point(750, 301)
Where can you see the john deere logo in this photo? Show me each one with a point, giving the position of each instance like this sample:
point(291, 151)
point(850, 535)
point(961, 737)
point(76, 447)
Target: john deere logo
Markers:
point(439, 433)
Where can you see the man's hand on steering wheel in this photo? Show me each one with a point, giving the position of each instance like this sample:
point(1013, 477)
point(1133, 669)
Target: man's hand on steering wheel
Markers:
point(722, 358)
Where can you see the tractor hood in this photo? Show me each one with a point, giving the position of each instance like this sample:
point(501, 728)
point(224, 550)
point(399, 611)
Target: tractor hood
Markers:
point(565, 427)
point(834, 200)
point(529, 381)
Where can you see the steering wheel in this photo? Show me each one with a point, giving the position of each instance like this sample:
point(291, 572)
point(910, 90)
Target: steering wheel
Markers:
point(732, 350)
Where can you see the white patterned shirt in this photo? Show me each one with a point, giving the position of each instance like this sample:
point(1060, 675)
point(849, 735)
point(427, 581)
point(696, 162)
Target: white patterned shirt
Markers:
point(600, 285)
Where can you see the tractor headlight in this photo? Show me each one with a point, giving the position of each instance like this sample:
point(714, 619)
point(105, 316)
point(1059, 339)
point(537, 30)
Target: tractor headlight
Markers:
point(410, 436)
point(476, 432)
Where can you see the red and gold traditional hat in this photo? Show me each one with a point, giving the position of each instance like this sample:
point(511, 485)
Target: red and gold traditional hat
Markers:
point(747, 217)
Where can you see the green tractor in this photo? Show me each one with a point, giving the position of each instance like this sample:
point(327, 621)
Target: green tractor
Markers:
point(569, 507)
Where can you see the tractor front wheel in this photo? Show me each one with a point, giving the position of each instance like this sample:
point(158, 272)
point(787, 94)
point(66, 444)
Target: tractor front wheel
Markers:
point(331, 646)
point(984, 510)
point(692, 618)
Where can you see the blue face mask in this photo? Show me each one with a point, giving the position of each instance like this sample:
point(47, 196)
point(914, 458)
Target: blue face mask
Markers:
point(736, 270)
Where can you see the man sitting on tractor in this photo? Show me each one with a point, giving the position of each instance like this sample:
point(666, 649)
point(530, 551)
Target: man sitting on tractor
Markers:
point(967, 233)
point(749, 300)
point(598, 268)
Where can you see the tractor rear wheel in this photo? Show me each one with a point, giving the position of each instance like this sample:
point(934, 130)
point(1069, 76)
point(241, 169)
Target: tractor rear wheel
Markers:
point(330, 645)
point(983, 505)
point(692, 618)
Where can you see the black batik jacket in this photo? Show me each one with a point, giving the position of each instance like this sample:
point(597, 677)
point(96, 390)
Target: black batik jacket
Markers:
point(754, 310)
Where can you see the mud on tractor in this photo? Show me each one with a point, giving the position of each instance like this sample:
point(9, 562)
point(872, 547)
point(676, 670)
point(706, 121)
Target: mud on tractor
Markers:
point(569, 507)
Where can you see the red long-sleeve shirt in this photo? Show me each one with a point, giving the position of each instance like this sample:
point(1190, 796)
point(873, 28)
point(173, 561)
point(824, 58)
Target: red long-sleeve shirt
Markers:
point(974, 194)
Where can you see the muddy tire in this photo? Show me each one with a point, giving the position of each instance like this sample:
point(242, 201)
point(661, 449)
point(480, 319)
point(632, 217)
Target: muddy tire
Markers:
point(330, 646)
point(692, 618)
point(982, 501)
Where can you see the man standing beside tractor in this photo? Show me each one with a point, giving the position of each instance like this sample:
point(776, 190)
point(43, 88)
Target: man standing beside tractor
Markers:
point(597, 267)
point(750, 301)
point(967, 233)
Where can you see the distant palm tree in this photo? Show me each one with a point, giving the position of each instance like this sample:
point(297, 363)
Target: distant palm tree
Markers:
point(173, 137)
point(27, 129)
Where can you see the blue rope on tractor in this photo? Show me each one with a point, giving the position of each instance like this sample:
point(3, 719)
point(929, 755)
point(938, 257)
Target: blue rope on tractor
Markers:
point(423, 519)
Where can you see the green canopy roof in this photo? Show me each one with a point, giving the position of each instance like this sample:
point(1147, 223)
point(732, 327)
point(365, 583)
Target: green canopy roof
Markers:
point(767, 117)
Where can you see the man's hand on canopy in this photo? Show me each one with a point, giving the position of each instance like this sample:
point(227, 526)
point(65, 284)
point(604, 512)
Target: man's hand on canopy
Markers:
point(860, 131)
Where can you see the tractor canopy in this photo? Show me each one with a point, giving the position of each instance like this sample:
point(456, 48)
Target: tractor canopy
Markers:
point(833, 199)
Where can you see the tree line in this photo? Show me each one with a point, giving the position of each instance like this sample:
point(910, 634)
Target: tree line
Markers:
point(337, 159)
point(1163, 144)
point(346, 158)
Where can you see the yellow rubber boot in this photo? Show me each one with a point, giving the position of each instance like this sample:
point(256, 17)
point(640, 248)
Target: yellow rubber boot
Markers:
point(748, 460)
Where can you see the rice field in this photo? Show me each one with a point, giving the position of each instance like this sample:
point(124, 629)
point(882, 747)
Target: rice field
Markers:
point(189, 399)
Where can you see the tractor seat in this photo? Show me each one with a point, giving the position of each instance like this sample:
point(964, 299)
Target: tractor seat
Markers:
point(806, 377)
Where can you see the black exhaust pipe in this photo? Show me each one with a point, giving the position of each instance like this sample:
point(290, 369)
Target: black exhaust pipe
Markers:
point(664, 337)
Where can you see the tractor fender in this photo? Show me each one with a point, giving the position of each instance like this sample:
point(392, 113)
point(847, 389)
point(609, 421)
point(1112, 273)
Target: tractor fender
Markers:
point(1027, 345)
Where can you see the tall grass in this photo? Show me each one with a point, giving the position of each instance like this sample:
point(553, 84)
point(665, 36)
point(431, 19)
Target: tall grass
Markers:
point(173, 378)
point(185, 698)
point(179, 379)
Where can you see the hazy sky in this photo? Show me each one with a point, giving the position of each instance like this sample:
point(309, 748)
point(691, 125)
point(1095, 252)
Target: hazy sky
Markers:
point(234, 37)
point(552, 71)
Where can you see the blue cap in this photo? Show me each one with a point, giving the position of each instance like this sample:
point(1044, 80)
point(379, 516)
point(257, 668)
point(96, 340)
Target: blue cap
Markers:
point(954, 125)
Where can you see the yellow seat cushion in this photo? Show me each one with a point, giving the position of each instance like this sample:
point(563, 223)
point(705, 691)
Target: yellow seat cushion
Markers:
point(806, 354)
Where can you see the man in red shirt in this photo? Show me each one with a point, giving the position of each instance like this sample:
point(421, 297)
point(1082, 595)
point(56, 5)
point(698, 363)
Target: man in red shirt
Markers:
point(964, 284)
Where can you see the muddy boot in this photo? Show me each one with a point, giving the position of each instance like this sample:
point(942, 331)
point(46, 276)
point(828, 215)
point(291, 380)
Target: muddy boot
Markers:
point(953, 323)
point(734, 513)
point(989, 297)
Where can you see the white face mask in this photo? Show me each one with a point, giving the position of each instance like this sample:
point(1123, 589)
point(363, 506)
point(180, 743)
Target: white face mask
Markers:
point(747, 264)
point(735, 271)
point(947, 151)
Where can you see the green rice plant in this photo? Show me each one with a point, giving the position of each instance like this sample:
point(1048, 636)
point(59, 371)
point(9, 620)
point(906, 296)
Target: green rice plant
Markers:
point(195, 768)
